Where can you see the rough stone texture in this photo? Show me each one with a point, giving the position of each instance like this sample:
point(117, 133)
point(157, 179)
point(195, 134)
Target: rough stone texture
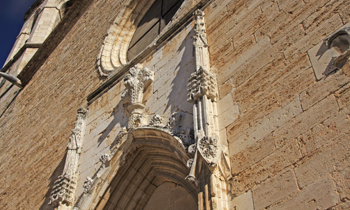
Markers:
point(279, 187)
point(287, 129)
point(243, 202)
point(319, 195)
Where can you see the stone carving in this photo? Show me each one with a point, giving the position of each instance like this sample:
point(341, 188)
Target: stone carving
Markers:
point(175, 126)
point(200, 33)
point(156, 121)
point(201, 83)
point(189, 162)
point(175, 122)
point(187, 137)
point(208, 147)
point(136, 82)
point(88, 184)
point(202, 88)
point(63, 190)
point(105, 158)
point(65, 185)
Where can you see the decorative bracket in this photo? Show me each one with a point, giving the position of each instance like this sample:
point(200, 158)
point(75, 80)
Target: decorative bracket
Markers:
point(136, 82)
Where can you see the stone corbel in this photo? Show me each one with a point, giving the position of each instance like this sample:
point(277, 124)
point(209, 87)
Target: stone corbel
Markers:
point(136, 81)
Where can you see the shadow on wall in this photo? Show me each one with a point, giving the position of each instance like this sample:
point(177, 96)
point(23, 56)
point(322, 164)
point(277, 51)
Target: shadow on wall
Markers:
point(177, 98)
point(119, 117)
point(58, 171)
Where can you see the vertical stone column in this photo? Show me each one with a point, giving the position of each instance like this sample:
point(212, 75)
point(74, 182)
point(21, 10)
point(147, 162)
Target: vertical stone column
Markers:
point(136, 82)
point(210, 166)
point(62, 195)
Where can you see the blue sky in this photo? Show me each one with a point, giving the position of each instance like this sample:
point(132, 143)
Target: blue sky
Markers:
point(11, 22)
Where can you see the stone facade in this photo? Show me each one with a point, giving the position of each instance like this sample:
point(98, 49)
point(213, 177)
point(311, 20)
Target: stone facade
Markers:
point(235, 105)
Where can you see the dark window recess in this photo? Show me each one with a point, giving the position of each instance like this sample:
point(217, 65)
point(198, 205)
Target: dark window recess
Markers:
point(154, 21)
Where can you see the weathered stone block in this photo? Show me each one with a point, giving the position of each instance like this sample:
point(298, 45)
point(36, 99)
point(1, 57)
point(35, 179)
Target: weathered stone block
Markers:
point(243, 202)
point(265, 126)
point(322, 89)
point(275, 189)
point(319, 195)
point(323, 162)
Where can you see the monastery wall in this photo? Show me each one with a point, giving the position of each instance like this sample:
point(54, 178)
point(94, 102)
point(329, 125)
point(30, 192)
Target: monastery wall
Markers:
point(289, 146)
point(284, 117)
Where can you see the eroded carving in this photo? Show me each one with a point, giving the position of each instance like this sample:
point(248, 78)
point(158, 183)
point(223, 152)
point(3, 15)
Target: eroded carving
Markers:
point(105, 158)
point(156, 121)
point(175, 126)
point(65, 185)
point(88, 184)
point(136, 82)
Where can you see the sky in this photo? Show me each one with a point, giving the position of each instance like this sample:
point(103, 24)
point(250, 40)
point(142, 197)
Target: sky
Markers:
point(11, 22)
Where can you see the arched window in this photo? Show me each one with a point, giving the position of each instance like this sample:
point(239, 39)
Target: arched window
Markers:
point(154, 21)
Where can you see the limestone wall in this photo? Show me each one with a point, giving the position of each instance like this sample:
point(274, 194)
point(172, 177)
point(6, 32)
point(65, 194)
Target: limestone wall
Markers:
point(287, 130)
point(289, 145)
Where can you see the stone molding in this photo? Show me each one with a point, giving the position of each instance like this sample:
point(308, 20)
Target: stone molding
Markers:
point(112, 56)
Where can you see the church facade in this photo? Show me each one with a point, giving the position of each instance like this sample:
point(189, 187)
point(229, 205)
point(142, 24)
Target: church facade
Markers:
point(182, 104)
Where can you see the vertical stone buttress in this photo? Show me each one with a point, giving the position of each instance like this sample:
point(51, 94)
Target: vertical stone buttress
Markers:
point(62, 195)
point(210, 168)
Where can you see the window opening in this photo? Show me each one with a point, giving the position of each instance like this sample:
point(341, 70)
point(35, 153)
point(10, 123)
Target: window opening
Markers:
point(154, 21)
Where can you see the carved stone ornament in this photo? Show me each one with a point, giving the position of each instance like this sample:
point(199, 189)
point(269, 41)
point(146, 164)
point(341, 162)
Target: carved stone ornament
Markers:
point(201, 83)
point(136, 82)
point(200, 34)
point(62, 192)
point(88, 184)
point(189, 162)
point(156, 121)
point(65, 185)
point(105, 158)
point(175, 126)
point(208, 147)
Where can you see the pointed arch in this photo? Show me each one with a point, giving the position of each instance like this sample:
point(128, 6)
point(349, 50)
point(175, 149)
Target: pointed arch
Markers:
point(145, 159)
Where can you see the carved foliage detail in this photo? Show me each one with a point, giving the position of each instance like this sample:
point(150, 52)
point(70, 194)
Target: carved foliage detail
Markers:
point(156, 121)
point(136, 82)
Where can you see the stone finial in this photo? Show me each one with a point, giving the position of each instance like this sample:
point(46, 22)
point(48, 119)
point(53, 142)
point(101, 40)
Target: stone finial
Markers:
point(200, 33)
